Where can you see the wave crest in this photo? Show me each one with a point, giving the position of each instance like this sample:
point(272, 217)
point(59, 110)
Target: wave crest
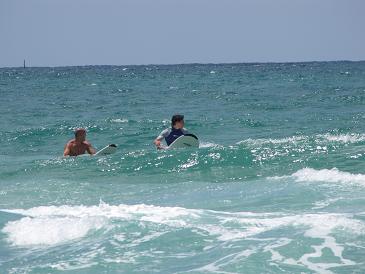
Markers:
point(326, 175)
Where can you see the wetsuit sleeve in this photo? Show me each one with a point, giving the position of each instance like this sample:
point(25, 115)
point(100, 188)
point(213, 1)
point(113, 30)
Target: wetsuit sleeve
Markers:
point(163, 134)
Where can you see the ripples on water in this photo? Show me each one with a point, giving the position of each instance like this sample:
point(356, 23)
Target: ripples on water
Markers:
point(277, 184)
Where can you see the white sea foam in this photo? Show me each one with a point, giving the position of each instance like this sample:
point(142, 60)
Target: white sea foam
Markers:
point(50, 230)
point(292, 139)
point(319, 139)
point(105, 210)
point(189, 163)
point(319, 226)
point(50, 225)
point(120, 120)
point(326, 224)
point(328, 175)
point(325, 203)
point(345, 138)
point(209, 144)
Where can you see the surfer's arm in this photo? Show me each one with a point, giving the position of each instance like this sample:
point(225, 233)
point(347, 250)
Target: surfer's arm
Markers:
point(90, 149)
point(66, 151)
point(160, 137)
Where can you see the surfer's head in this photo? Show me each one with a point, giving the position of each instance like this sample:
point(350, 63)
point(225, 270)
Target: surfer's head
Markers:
point(80, 134)
point(177, 121)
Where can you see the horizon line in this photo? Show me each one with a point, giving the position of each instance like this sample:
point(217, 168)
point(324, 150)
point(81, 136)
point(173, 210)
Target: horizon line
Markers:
point(187, 63)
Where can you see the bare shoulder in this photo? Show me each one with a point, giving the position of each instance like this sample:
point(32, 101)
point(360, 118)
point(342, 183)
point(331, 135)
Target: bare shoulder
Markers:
point(87, 143)
point(71, 142)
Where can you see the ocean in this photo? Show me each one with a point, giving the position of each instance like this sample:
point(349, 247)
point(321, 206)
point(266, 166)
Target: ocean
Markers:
point(276, 186)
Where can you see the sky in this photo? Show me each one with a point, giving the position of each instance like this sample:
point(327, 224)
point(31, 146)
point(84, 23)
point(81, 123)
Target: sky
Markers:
point(127, 32)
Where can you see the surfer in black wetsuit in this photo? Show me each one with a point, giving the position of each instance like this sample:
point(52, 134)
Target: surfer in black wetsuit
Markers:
point(171, 134)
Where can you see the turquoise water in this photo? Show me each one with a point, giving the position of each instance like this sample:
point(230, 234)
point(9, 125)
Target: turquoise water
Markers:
point(277, 185)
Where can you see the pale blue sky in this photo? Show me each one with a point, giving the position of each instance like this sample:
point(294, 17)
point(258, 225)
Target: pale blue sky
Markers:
point(121, 32)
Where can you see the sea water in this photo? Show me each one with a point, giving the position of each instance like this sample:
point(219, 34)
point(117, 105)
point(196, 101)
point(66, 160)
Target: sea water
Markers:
point(277, 185)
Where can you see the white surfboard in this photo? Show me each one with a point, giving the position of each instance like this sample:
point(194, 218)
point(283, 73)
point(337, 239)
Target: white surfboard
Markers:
point(110, 149)
point(185, 141)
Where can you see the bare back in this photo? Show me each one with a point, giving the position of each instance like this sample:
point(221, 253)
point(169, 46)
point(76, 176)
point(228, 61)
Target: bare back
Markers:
point(74, 148)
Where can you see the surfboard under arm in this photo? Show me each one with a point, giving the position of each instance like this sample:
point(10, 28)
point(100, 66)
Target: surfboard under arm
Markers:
point(185, 141)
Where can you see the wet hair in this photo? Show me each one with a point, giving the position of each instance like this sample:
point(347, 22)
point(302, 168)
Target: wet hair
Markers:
point(78, 131)
point(176, 118)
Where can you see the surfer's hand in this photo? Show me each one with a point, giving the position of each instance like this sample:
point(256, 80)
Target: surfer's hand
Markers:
point(158, 144)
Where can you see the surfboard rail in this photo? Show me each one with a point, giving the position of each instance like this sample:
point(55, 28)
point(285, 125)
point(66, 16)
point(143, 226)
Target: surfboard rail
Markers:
point(109, 149)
